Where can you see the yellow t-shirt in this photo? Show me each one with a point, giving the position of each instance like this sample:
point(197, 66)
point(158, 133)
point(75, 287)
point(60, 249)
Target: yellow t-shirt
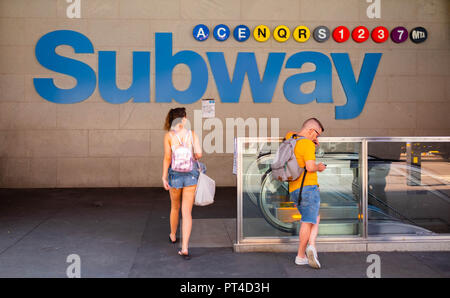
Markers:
point(304, 150)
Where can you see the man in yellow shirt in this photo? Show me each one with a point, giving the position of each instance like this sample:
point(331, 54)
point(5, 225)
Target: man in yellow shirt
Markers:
point(310, 203)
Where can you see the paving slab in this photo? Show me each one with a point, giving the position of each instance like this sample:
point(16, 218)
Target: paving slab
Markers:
point(123, 232)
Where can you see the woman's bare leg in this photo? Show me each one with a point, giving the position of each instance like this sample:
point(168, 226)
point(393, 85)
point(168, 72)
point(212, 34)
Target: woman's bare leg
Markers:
point(186, 211)
point(175, 198)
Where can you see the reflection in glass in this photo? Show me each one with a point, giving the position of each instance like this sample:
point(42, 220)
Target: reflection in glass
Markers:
point(267, 209)
point(409, 189)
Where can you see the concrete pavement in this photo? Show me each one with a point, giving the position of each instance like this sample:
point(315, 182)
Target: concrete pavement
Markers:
point(123, 232)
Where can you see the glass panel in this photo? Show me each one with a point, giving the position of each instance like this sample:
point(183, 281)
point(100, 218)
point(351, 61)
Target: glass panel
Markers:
point(340, 196)
point(409, 188)
point(267, 209)
point(260, 203)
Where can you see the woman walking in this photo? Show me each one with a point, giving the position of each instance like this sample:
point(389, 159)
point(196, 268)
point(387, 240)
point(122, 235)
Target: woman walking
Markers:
point(180, 173)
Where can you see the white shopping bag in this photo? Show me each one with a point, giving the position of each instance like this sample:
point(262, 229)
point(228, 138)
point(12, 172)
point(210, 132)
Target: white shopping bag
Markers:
point(204, 193)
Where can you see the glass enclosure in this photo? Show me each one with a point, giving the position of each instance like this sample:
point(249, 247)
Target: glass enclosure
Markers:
point(371, 187)
point(409, 188)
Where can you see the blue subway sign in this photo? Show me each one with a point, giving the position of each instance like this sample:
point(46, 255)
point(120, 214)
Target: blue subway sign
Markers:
point(228, 86)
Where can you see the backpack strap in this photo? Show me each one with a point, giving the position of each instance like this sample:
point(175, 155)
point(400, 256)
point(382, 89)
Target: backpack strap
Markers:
point(301, 187)
point(179, 140)
point(297, 137)
point(188, 136)
point(304, 173)
point(188, 140)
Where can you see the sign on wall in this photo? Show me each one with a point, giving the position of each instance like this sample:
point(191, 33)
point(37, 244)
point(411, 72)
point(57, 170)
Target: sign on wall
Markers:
point(228, 82)
point(229, 87)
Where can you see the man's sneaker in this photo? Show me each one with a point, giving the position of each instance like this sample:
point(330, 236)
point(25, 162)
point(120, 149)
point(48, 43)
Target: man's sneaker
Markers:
point(301, 261)
point(311, 254)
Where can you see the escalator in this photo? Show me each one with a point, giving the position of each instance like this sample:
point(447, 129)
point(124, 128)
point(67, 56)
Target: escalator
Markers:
point(340, 209)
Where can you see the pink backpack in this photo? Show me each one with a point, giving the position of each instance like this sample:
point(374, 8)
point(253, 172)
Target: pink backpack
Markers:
point(182, 160)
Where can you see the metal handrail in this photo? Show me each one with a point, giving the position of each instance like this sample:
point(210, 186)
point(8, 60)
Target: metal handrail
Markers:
point(356, 139)
point(392, 208)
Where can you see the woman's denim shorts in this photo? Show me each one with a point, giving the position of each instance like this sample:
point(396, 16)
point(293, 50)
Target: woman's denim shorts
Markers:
point(310, 204)
point(184, 179)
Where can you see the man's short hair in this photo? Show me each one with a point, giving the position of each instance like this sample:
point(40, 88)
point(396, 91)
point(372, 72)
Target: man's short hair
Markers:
point(311, 122)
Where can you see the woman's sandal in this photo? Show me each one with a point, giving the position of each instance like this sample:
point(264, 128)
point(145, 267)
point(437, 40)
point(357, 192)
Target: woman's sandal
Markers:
point(184, 256)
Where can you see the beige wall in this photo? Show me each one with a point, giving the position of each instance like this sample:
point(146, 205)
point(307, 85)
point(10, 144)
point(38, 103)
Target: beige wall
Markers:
point(98, 144)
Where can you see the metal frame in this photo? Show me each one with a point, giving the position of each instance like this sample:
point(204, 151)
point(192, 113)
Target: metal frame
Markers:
point(364, 238)
point(364, 188)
